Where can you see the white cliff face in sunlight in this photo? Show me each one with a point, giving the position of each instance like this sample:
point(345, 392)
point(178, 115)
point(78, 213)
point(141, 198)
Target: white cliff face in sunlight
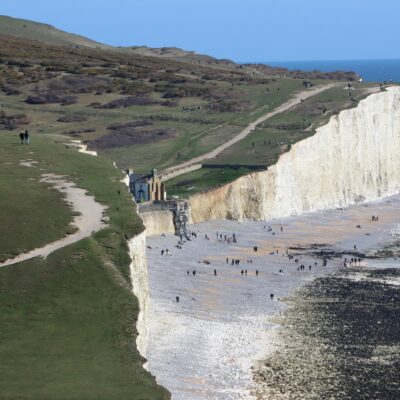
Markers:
point(356, 156)
point(140, 285)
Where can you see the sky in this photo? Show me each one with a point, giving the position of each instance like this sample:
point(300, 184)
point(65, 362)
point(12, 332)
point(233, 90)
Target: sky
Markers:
point(241, 30)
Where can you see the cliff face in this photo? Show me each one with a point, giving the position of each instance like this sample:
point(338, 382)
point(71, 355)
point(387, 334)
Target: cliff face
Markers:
point(157, 222)
point(355, 157)
point(140, 284)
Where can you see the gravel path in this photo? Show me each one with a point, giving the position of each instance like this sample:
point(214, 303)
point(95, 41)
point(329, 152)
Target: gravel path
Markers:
point(89, 220)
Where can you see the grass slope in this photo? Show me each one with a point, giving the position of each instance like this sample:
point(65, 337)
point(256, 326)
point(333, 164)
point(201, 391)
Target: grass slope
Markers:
point(42, 32)
point(68, 322)
point(32, 214)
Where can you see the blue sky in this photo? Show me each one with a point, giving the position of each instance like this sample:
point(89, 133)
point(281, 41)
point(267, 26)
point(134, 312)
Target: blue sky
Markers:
point(242, 30)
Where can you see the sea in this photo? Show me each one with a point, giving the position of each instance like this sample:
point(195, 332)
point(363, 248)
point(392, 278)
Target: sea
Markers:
point(369, 70)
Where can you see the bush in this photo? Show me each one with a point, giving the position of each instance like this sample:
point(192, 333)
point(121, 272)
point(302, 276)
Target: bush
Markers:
point(10, 90)
point(72, 118)
point(127, 102)
point(51, 98)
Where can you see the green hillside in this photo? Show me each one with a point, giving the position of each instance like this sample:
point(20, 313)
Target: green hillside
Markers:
point(43, 32)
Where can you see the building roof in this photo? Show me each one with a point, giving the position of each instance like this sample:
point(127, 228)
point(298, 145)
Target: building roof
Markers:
point(136, 178)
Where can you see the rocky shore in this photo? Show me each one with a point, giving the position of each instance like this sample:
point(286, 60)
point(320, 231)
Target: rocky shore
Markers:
point(339, 339)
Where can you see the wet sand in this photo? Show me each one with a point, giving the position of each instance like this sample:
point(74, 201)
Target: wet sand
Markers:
point(206, 345)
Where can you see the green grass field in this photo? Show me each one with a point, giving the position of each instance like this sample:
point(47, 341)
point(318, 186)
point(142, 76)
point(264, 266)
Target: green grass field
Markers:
point(203, 179)
point(68, 322)
point(32, 213)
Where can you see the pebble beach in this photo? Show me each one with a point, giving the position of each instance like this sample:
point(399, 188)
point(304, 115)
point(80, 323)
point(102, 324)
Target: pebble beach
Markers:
point(212, 323)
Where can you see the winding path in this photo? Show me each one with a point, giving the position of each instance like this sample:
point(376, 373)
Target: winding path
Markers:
point(89, 220)
point(174, 171)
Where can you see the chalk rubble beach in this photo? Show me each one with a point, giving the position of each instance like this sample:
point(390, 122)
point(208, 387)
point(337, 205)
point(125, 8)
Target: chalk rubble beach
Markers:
point(205, 345)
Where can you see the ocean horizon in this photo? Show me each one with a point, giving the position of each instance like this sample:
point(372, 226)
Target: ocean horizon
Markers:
point(369, 70)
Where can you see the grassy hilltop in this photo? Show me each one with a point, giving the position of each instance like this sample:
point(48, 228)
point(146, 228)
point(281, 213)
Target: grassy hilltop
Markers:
point(68, 322)
point(141, 107)
point(43, 32)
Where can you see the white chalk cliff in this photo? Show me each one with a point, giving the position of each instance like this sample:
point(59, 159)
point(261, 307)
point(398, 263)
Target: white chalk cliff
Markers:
point(140, 285)
point(355, 156)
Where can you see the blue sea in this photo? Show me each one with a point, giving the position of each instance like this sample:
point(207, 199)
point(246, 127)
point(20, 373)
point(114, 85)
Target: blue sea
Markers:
point(369, 70)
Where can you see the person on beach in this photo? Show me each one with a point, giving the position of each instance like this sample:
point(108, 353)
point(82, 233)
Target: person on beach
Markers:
point(256, 272)
point(271, 296)
point(177, 299)
point(194, 272)
point(215, 272)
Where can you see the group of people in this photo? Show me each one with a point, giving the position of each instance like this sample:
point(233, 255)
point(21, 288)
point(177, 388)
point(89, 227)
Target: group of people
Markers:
point(225, 238)
point(236, 262)
point(24, 136)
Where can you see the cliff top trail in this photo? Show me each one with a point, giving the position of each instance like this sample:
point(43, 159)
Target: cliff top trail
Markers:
point(89, 220)
point(296, 99)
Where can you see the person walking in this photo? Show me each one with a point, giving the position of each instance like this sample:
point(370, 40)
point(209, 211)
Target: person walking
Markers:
point(26, 137)
point(22, 136)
